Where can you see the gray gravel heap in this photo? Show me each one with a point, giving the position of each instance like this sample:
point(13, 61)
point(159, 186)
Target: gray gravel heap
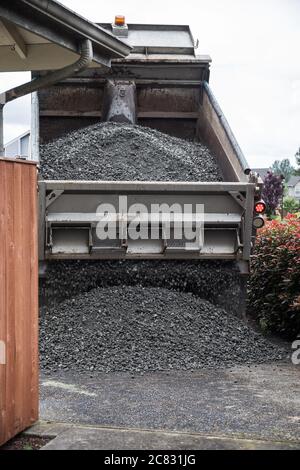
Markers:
point(111, 151)
point(215, 281)
point(141, 329)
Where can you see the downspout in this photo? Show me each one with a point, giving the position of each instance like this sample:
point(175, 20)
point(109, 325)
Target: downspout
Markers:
point(1, 130)
point(47, 80)
point(35, 128)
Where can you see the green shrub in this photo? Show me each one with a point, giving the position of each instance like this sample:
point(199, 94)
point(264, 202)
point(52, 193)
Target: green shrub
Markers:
point(290, 204)
point(274, 285)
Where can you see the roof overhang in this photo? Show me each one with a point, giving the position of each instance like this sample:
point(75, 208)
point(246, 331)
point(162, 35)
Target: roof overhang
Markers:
point(45, 35)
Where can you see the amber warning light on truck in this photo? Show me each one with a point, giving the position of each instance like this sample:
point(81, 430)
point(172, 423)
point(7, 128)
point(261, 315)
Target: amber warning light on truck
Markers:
point(119, 20)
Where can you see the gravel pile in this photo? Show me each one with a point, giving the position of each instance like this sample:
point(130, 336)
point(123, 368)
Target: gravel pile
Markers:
point(215, 281)
point(111, 151)
point(144, 329)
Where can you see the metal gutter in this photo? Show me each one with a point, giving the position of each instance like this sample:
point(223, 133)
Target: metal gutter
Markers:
point(53, 77)
point(47, 80)
point(78, 24)
point(227, 129)
point(63, 27)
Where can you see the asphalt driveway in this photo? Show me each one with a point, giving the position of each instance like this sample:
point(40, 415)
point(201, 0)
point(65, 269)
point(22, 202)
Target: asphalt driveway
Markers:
point(256, 402)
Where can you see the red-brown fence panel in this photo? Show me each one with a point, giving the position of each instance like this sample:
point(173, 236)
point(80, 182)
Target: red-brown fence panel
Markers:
point(18, 297)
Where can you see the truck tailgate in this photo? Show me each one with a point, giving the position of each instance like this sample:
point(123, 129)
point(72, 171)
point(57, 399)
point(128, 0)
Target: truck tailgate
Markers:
point(70, 212)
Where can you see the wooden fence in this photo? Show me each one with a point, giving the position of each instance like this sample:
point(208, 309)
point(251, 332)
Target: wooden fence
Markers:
point(18, 297)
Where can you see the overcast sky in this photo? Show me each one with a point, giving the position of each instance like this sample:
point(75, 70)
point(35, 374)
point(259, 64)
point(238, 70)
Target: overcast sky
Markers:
point(255, 73)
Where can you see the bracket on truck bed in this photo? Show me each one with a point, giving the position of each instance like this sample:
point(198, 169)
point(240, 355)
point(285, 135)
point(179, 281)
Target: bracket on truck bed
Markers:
point(51, 197)
point(239, 198)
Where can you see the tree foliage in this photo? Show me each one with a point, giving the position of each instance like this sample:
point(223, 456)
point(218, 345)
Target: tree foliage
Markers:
point(284, 168)
point(290, 204)
point(272, 192)
point(297, 156)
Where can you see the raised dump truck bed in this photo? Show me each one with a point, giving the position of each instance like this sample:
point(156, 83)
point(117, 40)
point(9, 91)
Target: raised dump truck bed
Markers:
point(164, 85)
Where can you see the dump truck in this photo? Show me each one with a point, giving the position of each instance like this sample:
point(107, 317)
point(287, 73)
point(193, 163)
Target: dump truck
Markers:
point(162, 84)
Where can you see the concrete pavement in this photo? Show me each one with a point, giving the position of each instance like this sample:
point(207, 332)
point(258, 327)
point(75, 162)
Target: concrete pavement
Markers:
point(73, 437)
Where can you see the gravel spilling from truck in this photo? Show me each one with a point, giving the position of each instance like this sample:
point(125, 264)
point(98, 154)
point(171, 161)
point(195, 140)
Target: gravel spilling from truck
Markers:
point(139, 329)
point(215, 281)
point(124, 152)
point(140, 315)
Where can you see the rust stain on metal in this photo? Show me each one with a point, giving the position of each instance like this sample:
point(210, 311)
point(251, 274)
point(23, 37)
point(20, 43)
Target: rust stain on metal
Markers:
point(71, 98)
point(168, 99)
